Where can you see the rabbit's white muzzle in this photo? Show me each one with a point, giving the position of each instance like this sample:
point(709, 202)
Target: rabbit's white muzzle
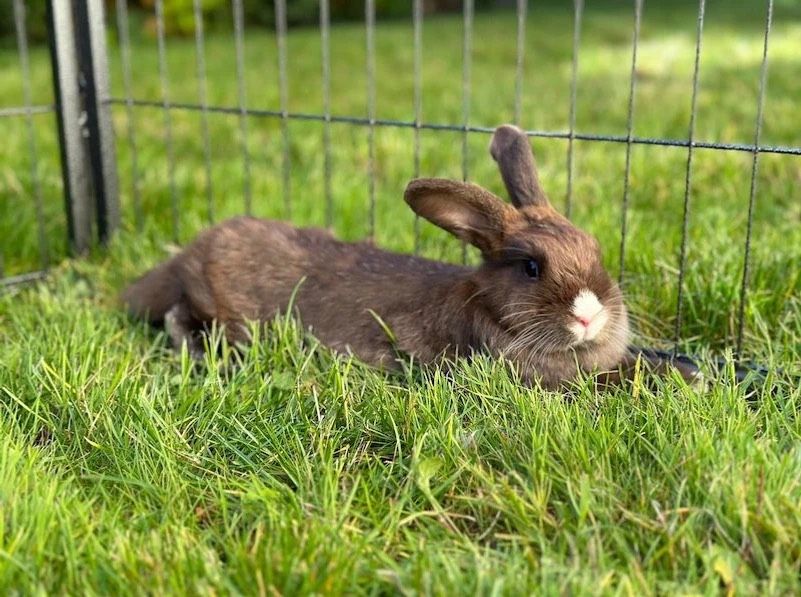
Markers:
point(590, 316)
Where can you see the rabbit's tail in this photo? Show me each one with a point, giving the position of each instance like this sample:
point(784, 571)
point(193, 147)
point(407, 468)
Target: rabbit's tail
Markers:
point(155, 293)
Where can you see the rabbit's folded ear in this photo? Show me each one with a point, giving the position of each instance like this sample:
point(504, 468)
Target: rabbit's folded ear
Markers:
point(511, 149)
point(467, 211)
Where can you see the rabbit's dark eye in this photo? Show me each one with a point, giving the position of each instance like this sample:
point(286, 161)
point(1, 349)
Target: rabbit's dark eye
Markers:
point(532, 268)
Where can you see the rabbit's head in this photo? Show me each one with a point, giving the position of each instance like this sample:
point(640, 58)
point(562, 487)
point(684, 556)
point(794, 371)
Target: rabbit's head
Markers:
point(542, 287)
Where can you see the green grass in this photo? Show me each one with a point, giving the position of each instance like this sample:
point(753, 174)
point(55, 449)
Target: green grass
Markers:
point(122, 470)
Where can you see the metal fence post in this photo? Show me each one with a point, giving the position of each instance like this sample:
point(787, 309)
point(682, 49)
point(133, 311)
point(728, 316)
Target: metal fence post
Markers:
point(94, 80)
point(86, 139)
point(68, 116)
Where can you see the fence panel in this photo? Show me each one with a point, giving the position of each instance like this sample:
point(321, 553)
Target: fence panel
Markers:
point(14, 267)
point(465, 128)
point(83, 104)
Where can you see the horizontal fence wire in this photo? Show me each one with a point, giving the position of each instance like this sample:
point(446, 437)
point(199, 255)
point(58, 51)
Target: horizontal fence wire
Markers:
point(471, 128)
point(16, 111)
point(25, 278)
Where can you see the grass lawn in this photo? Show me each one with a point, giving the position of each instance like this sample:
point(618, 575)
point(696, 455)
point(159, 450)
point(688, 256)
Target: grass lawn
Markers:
point(122, 470)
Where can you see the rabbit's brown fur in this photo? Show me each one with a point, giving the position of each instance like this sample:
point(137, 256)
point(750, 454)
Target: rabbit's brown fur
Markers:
point(349, 293)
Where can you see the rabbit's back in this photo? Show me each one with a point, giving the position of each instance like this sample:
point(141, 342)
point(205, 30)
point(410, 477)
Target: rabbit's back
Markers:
point(252, 269)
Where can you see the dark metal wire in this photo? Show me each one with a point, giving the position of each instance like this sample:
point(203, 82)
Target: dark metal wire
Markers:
point(467, 62)
point(369, 8)
point(578, 10)
point(325, 45)
point(629, 132)
point(280, 35)
point(387, 122)
point(763, 78)
point(124, 34)
point(13, 111)
point(522, 6)
point(239, 39)
point(417, 17)
point(22, 46)
point(688, 175)
point(166, 105)
point(200, 66)
point(467, 53)
point(22, 278)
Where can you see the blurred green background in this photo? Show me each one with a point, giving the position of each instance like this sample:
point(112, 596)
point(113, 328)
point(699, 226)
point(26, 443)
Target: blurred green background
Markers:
point(179, 14)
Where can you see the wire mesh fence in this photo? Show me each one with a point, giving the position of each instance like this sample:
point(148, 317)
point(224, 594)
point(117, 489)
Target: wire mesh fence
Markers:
point(465, 127)
point(28, 111)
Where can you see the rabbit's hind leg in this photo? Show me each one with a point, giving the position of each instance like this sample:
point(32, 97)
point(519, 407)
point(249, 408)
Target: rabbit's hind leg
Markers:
point(183, 328)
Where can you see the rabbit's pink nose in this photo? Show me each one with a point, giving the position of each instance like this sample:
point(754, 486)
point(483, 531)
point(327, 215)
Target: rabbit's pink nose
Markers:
point(583, 320)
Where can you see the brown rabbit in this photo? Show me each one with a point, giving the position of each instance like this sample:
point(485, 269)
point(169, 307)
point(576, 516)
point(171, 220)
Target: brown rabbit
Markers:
point(541, 297)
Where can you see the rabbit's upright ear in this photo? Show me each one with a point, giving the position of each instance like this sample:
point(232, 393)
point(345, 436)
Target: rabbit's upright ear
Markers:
point(467, 211)
point(511, 149)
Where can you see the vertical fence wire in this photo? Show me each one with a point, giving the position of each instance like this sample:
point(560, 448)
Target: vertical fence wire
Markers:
point(467, 54)
point(522, 7)
point(239, 41)
point(202, 93)
point(280, 36)
point(165, 104)
point(22, 47)
point(467, 63)
point(578, 11)
point(417, 16)
point(124, 34)
point(688, 175)
point(629, 133)
point(763, 78)
point(325, 47)
point(369, 8)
